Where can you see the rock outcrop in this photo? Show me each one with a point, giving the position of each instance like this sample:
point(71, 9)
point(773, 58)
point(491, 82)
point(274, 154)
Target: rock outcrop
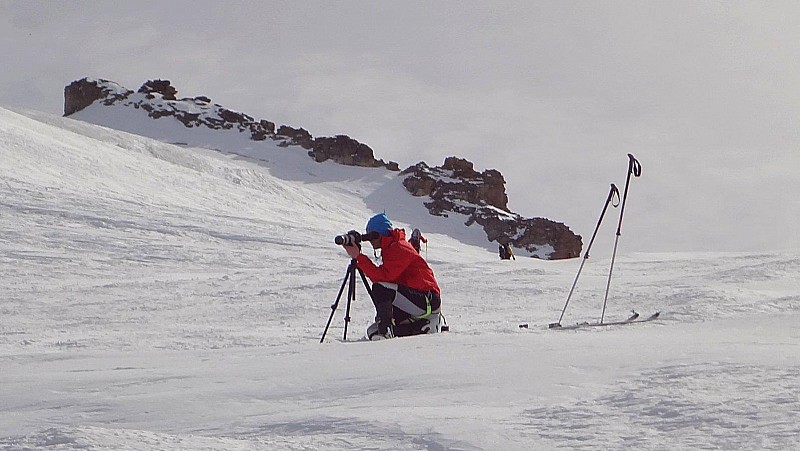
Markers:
point(82, 93)
point(346, 150)
point(457, 188)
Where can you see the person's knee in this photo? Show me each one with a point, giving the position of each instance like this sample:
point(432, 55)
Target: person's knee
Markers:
point(387, 285)
point(381, 293)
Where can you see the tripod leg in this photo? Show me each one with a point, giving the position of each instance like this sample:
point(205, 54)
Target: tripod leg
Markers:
point(351, 296)
point(366, 284)
point(335, 304)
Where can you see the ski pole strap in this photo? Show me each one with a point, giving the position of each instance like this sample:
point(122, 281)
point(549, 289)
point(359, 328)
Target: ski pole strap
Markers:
point(613, 196)
point(634, 165)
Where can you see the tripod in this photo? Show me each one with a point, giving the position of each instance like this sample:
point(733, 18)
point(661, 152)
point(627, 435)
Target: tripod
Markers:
point(350, 281)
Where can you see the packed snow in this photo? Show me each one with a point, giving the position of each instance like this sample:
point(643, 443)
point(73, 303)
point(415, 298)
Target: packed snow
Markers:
point(158, 296)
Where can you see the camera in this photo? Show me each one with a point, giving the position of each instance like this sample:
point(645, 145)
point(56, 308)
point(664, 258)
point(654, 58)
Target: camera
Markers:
point(353, 238)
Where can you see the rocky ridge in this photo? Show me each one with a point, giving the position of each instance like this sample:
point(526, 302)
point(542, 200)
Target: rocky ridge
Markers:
point(455, 188)
point(159, 99)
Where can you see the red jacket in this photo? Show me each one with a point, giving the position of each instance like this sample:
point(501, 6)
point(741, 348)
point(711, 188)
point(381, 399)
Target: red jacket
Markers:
point(401, 264)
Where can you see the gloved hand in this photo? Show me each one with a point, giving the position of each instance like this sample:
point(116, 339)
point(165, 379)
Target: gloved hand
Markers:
point(352, 251)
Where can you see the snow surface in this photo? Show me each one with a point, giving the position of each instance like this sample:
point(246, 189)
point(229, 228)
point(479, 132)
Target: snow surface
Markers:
point(162, 297)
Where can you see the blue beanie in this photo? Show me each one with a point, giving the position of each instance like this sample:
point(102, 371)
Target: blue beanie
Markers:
point(380, 223)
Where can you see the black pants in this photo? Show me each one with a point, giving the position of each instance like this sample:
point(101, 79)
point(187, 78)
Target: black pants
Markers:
point(407, 309)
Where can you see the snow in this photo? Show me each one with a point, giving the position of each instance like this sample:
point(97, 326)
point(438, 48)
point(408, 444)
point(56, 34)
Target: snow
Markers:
point(157, 296)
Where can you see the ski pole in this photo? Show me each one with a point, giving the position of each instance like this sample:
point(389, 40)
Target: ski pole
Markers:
point(636, 169)
point(612, 194)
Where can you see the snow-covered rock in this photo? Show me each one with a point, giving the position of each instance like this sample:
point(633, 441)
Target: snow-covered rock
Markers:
point(456, 187)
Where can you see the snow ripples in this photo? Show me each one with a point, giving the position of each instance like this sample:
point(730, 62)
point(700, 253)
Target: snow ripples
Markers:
point(719, 406)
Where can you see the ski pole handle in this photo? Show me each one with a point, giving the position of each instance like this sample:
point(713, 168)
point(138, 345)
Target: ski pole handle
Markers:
point(634, 165)
point(613, 196)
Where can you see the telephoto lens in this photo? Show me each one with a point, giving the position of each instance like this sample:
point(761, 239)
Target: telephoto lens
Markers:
point(350, 238)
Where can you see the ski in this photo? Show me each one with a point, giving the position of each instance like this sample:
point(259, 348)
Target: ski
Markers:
point(634, 318)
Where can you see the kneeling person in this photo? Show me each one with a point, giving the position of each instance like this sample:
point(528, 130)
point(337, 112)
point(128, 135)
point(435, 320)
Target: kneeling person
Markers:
point(406, 295)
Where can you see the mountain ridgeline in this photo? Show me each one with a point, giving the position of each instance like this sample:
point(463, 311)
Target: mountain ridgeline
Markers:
point(455, 188)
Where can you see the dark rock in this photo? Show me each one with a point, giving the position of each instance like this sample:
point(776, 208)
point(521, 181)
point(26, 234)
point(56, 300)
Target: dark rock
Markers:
point(460, 167)
point(457, 179)
point(234, 117)
point(81, 93)
point(268, 126)
point(188, 119)
point(163, 87)
point(297, 136)
point(344, 150)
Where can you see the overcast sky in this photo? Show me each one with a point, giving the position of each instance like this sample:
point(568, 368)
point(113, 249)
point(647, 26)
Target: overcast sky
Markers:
point(553, 94)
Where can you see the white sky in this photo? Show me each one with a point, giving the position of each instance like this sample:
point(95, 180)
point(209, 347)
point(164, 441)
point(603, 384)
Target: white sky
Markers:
point(553, 94)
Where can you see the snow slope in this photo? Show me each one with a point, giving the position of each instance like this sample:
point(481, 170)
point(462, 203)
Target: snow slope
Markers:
point(155, 296)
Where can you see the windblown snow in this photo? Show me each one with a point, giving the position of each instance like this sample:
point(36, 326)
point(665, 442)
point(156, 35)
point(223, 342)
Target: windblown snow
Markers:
point(160, 296)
